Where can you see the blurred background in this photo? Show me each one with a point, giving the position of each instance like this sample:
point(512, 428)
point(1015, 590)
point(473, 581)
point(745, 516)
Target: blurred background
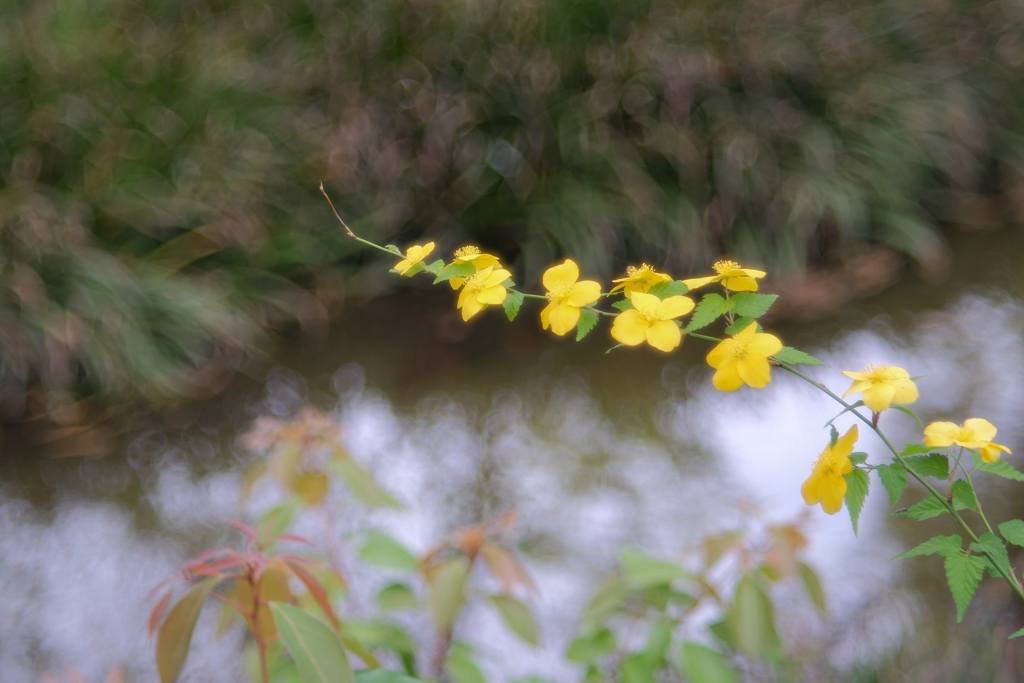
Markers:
point(169, 272)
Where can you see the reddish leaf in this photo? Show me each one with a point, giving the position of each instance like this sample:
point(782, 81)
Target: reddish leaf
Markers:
point(249, 533)
point(294, 539)
point(315, 589)
point(158, 611)
point(214, 568)
point(176, 634)
point(505, 566)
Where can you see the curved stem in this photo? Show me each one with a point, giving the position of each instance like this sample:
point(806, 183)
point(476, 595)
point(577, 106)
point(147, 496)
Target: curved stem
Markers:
point(1010, 579)
point(349, 231)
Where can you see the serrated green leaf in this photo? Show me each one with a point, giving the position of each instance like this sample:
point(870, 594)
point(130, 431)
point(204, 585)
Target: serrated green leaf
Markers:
point(664, 290)
point(588, 318)
point(740, 325)
point(383, 551)
point(931, 465)
point(795, 357)
point(909, 412)
point(926, 509)
point(963, 574)
point(857, 484)
point(710, 308)
point(751, 305)
point(894, 479)
point(857, 458)
point(518, 617)
point(991, 544)
point(1000, 468)
point(588, 648)
point(701, 664)
point(833, 435)
point(936, 545)
point(512, 303)
point(455, 270)
point(1013, 531)
point(313, 644)
point(1016, 634)
point(436, 267)
point(623, 305)
point(812, 584)
point(915, 449)
point(640, 570)
point(963, 495)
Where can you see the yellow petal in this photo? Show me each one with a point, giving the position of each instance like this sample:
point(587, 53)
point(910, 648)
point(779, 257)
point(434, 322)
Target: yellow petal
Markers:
point(463, 295)
point(891, 373)
point(740, 284)
point(855, 375)
point(674, 306)
point(832, 491)
point(566, 273)
point(940, 434)
point(585, 292)
point(404, 265)
point(991, 452)
point(646, 304)
point(750, 272)
point(471, 307)
point(456, 282)
point(878, 397)
point(746, 335)
point(755, 371)
point(492, 295)
point(629, 329)
point(720, 352)
point(496, 278)
point(906, 392)
point(764, 345)
point(664, 336)
point(809, 489)
point(983, 429)
point(699, 282)
point(727, 378)
point(858, 386)
point(563, 318)
point(844, 445)
point(545, 315)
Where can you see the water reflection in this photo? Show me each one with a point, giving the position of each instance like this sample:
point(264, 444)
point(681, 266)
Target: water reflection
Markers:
point(587, 475)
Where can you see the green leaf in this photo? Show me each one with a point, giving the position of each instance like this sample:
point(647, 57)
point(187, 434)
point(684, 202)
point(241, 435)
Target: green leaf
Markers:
point(517, 616)
point(740, 325)
point(607, 599)
point(664, 290)
point(936, 545)
point(701, 664)
point(991, 544)
point(363, 484)
point(623, 305)
point(396, 596)
point(926, 509)
point(751, 621)
point(448, 591)
point(413, 269)
point(460, 667)
point(588, 648)
point(659, 636)
point(512, 303)
point(1016, 634)
point(796, 357)
point(315, 647)
point(640, 570)
point(894, 479)
point(931, 465)
point(710, 308)
point(915, 449)
point(176, 633)
point(1013, 531)
point(636, 669)
point(383, 676)
point(812, 584)
point(833, 435)
point(436, 267)
point(907, 411)
point(1000, 468)
point(275, 521)
point(751, 305)
point(963, 574)
point(384, 551)
point(857, 484)
point(858, 458)
point(963, 495)
point(588, 318)
point(456, 270)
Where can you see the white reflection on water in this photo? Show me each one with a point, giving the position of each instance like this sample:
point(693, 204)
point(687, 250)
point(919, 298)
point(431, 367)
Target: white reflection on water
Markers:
point(73, 581)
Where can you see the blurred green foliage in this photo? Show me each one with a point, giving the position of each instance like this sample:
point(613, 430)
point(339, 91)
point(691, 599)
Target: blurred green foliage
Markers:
point(159, 160)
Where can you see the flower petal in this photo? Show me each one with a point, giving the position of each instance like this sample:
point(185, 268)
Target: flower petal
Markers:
point(463, 295)
point(629, 329)
point(906, 392)
point(456, 282)
point(857, 387)
point(991, 451)
point(545, 315)
point(492, 295)
point(755, 371)
point(495, 278)
point(878, 397)
point(674, 306)
point(699, 282)
point(750, 272)
point(566, 273)
point(740, 284)
point(832, 491)
point(809, 489)
point(664, 336)
point(983, 429)
point(471, 307)
point(646, 304)
point(721, 352)
point(563, 318)
point(727, 378)
point(764, 345)
point(855, 375)
point(844, 445)
point(585, 292)
point(940, 434)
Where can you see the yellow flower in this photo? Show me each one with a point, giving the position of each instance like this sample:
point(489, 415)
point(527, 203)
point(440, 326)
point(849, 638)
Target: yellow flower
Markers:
point(639, 280)
point(975, 434)
point(413, 255)
point(743, 359)
point(731, 276)
point(826, 484)
point(882, 386)
point(471, 254)
point(481, 289)
point(566, 297)
point(650, 320)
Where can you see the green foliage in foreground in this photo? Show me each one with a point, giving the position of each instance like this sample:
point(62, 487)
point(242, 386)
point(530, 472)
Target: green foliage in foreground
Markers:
point(159, 160)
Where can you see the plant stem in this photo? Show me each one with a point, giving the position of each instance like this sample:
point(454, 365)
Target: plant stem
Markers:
point(701, 336)
point(349, 231)
point(529, 296)
point(1011, 580)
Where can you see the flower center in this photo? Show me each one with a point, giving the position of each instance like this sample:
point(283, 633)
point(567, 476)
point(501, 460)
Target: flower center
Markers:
point(723, 267)
point(649, 318)
point(739, 348)
point(632, 271)
point(463, 252)
point(561, 290)
point(475, 281)
point(876, 372)
point(826, 462)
